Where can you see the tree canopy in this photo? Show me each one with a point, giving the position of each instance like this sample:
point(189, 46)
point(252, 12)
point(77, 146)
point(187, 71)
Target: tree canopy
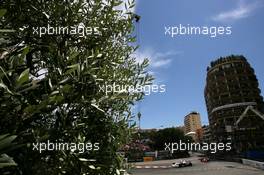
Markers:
point(50, 84)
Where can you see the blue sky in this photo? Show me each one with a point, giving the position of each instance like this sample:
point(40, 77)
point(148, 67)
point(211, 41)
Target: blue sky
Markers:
point(180, 62)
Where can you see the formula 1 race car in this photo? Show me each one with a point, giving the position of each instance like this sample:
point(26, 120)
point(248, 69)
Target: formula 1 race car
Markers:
point(204, 159)
point(182, 163)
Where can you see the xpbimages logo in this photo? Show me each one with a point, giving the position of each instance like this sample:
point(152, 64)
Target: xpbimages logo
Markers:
point(146, 89)
point(80, 30)
point(212, 31)
point(212, 147)
point(60, 146)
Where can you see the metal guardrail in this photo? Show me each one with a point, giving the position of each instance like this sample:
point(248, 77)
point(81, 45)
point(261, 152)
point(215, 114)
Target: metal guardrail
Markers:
point(253, 163)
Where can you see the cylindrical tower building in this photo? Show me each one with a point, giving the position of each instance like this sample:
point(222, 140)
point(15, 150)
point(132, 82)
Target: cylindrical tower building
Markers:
point(231, 87)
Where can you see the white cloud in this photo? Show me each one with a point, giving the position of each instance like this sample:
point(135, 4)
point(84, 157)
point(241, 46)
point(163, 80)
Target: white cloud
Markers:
point(156, 59)
point(161, 63)
point(243, 10)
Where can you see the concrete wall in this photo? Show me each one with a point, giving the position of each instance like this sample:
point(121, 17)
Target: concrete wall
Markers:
point(253, 163)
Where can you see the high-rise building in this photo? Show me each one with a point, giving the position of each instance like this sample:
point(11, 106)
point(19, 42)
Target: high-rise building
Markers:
point(192, 122)
point(206, 134)
point(234, 103)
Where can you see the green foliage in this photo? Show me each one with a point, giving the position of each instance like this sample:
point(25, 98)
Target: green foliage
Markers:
point(2, 12)
point(50, 85)
point(7, 144)
point(167, 135)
